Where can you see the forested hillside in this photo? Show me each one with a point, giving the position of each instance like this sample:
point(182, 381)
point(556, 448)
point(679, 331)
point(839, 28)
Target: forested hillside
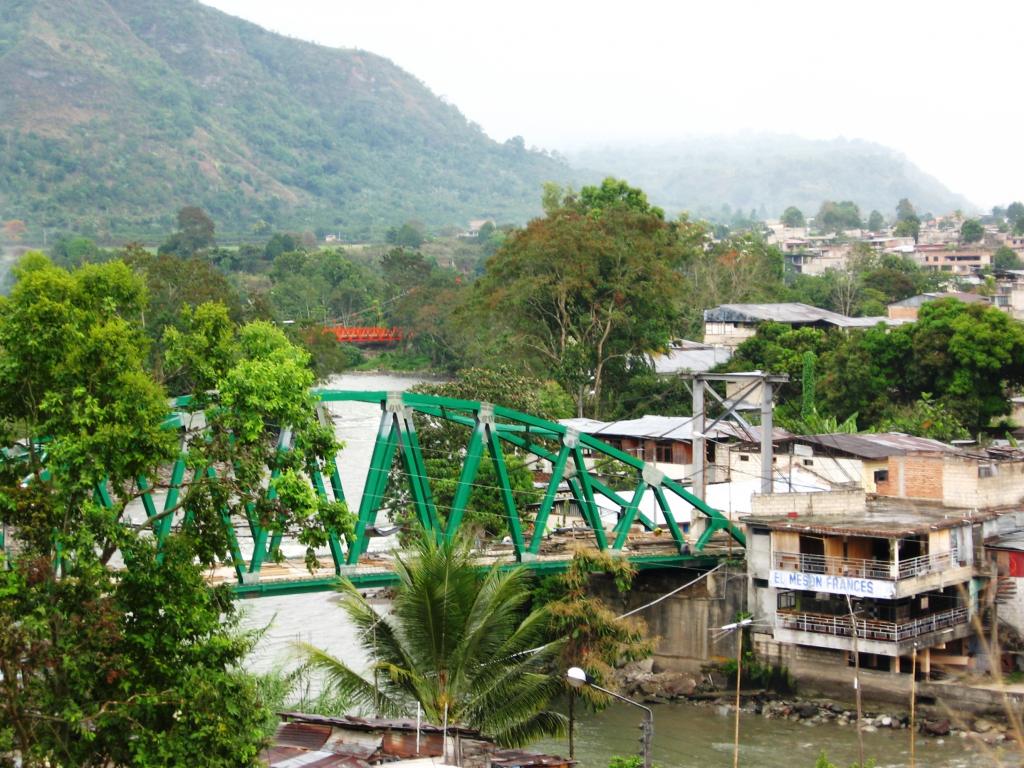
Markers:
point(115, 113)
point(767, 173)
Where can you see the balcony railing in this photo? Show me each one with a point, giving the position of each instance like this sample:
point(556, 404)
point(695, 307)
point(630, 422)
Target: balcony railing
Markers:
point(865, 569)
point(871, 629)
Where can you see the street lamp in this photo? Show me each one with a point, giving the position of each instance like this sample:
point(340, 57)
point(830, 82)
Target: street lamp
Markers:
point(578, 678)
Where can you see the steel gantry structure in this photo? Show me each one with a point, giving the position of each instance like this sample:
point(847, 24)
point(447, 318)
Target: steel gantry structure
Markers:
point(493, 431)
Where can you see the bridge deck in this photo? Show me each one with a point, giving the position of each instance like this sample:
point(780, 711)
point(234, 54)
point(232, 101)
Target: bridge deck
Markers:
point(292, 576)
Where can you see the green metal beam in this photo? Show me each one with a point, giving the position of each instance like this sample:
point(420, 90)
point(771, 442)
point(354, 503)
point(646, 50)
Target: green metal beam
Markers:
point(376, 579)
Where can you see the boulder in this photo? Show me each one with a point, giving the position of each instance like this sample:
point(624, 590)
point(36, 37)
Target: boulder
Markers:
point(935, 727)
point(807, 709)
point(981, 725)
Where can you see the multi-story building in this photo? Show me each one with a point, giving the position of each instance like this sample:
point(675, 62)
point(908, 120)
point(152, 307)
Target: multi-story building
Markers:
point(831, 576)
point(952, 259)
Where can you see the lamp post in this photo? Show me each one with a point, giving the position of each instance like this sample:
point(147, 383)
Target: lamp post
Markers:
point(578, 678)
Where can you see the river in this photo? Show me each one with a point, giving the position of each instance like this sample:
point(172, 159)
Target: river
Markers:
point(685, 734)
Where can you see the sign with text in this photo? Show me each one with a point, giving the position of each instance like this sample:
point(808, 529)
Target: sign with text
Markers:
point(837, 585)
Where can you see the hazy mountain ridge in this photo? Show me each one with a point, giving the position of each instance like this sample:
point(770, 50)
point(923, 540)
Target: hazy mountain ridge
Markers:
point(117, 112)
point(768, 172)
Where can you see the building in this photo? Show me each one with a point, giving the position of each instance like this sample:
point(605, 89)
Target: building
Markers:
point(893, 465)
point(907, 309)
point(359, 742)
point(664, 441)
point(952, 259)
point(731, 324)
point(831, 575)
point(1009, 296)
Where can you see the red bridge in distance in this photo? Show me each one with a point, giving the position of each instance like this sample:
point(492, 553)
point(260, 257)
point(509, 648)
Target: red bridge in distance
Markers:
point(365, 334)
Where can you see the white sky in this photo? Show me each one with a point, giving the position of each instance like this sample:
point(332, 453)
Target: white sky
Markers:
point(936, 80)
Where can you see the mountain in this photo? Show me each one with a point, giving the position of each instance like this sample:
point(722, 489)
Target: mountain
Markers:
point(115, 113)
point(768, 173)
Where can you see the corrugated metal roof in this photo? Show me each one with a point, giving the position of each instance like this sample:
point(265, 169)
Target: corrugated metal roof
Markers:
point(693, 360)
point(648, 427)
point(792, 313)
point(1014, 541)
point(870, 445)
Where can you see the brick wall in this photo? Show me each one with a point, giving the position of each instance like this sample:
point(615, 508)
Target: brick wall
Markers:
point(821, 503)
point(922, 477)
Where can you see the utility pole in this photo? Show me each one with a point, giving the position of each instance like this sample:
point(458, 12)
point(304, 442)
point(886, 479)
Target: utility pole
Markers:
point(856, 680)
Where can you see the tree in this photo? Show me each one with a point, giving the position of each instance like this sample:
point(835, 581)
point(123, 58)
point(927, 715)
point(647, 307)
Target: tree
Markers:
point(455, 641)
point(792, 217)
point(835, 217)
point(585, 286)
point(1015, 215)
point(131, 666)
point(592, 636)
point(195, 233)
point(968, 355)
point(876, 222)
point(971, 231)
point(1006, 258)
point(909, 227)
point(14, 230)
point(409, 235)
point(908, 223)
point(905, 210)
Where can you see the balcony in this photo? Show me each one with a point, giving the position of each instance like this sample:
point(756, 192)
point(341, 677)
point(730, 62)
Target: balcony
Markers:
point(870, 631)
point(885, 570)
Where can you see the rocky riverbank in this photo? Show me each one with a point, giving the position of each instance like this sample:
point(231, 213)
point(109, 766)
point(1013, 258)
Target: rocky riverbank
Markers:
point(642, 682)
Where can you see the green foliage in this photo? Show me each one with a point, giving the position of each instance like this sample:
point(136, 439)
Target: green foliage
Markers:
point(633, 761)
point(876, 221)
point(925, 418)
point(137, 668)
point(969, 356)
point(807, 399)
point(793, 217)
point(195, 233)
point(590, 634)
point(589, 284)
point(1006, 258)
point(835, 217)
point(823, 762)
point(237, 123)
point(409, 235)
point(455, 641)
point(971, 231)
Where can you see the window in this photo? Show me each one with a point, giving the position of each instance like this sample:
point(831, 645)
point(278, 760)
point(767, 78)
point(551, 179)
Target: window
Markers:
point(663, 452)
point(987, 470)
point(761, 583)
point(881, 475)
point(808, 462)
point(787, 600)
point(744, 457)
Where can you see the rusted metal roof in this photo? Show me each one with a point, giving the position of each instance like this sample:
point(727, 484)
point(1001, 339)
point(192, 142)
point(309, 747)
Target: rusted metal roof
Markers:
point(352, 722)
point(517, 758)
point(302, 735)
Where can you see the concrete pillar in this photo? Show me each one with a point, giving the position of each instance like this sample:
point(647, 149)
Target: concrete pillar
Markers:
point(700, 453)
point(767, 469)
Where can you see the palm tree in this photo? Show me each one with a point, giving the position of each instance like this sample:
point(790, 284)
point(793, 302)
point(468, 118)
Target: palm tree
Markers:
point(456, 642)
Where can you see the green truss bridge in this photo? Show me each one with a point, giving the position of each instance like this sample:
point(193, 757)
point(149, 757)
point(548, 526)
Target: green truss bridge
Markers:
point(397, 459)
